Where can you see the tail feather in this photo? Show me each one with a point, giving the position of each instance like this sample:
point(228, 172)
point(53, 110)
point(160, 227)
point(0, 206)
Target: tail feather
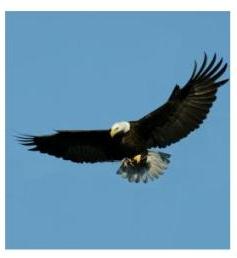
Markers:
point(147, 168)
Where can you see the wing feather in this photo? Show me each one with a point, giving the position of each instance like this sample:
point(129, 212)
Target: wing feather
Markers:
point(186, 107)
point(77, 146)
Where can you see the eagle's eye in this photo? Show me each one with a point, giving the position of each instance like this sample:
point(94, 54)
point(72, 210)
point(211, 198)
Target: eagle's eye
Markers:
point(116, 128)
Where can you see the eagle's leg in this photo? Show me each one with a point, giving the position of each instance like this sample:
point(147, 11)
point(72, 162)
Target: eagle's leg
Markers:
point(144, 166)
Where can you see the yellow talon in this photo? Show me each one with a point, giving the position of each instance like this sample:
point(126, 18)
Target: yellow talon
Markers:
point(138, 158)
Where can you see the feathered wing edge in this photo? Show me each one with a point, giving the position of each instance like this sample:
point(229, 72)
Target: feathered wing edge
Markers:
point(26, 140)
point(186, 107)
point(77, 146)
point(210, 72)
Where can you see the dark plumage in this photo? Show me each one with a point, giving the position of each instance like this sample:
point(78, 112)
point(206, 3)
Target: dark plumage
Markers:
point(185, 110)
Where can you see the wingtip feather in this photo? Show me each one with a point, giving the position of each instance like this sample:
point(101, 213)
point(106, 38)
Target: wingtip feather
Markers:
point(26, 140)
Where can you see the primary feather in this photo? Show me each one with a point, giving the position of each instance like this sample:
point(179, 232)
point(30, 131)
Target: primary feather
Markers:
point(78, 146)
point(186, 107)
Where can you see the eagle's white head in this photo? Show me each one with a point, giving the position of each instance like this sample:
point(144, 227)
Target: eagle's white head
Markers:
point(119, 127)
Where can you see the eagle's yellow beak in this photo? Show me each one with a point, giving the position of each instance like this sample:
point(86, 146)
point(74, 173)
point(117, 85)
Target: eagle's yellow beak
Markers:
point(112, 132)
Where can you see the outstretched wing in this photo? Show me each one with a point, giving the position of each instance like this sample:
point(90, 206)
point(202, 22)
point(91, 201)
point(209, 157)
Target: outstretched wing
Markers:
point(77, 146)
point(186, 107)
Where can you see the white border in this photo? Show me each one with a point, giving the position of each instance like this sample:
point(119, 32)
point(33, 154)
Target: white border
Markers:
point(121, 5)
point(118, 5)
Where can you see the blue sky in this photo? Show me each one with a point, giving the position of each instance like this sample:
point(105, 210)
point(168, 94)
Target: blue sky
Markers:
point(87, 71)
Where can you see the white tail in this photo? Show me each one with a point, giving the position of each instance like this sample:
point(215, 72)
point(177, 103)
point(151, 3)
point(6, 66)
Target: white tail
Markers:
point(147, 167)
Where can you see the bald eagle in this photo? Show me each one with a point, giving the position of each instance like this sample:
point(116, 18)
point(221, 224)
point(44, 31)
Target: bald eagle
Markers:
point(184, 111)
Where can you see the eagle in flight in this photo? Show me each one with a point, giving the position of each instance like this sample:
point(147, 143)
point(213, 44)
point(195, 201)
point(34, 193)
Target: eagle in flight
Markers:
point(184, 111)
